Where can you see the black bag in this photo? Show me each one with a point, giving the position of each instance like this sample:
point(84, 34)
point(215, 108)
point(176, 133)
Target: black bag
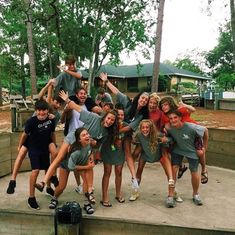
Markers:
point(69, 213)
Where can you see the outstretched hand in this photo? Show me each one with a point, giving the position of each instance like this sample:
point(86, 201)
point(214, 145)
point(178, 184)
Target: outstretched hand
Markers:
point(64, 95)
point(104, 76)
point(61, 67)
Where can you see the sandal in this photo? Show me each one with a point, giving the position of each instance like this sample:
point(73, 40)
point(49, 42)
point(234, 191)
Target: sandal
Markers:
point(39, 186)
point(89, 209)
point(120, 199)
point(204, 177)
point(90, 197)
point(171, 183)
point(106, 204)
point(181, 171)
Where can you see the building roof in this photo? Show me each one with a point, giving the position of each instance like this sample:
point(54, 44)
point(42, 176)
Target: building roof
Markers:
point(145, 70)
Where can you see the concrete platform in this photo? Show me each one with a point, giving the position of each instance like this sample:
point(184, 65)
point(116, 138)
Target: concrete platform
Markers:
point(147, 215)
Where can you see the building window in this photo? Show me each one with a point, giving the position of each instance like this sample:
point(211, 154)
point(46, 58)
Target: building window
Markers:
point(132, 84)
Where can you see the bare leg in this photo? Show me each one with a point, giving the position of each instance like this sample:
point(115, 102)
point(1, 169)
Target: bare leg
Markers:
point(105, 182)
point(32, 181)
point(63, 179)
point(129, 158)
point(141, 165)
point(118, 180)
point(195, 180)
point(18, 162)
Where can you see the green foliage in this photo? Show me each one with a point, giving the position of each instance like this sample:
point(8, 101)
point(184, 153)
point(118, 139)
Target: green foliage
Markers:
point(226, 81)
point(69, 27)
point(184, 88)
point(219, 60)
point(187, 64)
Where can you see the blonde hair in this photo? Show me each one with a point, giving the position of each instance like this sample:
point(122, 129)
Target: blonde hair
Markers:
point(153, 134)
point(155, 96)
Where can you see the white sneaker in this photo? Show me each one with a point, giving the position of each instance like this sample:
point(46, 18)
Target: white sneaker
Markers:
point(79, 189)
point(197, 200)
point(134, 196)
point(177, 198)
point(134, 183)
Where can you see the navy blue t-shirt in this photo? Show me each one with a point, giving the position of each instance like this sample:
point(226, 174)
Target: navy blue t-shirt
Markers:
point(39, 134)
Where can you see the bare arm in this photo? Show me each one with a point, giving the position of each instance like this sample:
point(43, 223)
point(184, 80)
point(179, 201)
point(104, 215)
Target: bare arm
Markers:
point(104, 78)
point(71, 104)
point(74, 74)
point(190, 108)
point(125, 129)
point(45, 88)
point(97, 109)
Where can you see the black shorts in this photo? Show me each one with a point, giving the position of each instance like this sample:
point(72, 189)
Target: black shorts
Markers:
point(39, 161)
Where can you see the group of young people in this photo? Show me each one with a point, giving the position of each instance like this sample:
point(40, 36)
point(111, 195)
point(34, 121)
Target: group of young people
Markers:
point(145, 129)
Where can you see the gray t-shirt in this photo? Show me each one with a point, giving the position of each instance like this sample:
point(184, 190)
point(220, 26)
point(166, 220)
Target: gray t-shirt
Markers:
point(184, 138)
point(92, 122)
point(68, 83)
point(147, 153)
point(106, 99)
point(125, 101)
point(79, 157)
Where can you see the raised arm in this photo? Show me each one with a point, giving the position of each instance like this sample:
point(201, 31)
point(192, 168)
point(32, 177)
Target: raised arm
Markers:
point(70, 104)
point(72, 73)
point(45, 89)
point(104, 78)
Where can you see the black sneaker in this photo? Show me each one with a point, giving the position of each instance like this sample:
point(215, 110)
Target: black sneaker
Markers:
point(11, 187)
point(50, 192)
point(32, 203)
point(53, 204)
point(54, 180)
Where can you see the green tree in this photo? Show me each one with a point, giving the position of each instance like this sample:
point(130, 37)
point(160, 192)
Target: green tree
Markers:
point(187, 64)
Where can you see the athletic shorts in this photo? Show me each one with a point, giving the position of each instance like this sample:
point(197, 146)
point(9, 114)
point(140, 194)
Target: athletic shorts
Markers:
point(177, 159)
point(39, 161)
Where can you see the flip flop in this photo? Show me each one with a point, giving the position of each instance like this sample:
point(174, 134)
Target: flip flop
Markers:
point(120, 199)
point(105, 204)
point(204, 177)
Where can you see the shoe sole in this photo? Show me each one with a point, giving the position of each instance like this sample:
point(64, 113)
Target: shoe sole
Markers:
point(33, 208)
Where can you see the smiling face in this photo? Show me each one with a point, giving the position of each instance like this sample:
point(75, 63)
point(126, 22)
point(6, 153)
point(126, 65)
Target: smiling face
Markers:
point(120, 115)
point(165, 107)
point(153, 104)
point(42, 114)
point(145, 128)
point(71, 66)
point(84, 138)
point(175, 120)
point(143, 100)
point(82, 96)
point(109, 120)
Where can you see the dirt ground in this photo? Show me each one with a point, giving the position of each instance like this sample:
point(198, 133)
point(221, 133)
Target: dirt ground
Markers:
point(208, 118)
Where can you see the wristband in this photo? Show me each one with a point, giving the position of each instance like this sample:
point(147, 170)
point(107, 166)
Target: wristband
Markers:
point(68, 101)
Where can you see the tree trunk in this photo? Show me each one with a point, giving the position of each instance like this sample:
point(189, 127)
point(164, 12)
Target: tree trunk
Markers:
point(233, 30)
point(158, 43)
point(0, 91)
point(31, 50)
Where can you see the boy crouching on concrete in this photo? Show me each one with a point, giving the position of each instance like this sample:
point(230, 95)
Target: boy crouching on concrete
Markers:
point(39, 133)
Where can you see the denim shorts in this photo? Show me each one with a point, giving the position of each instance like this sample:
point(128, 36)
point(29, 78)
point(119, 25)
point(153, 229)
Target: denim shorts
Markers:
point(177, 159)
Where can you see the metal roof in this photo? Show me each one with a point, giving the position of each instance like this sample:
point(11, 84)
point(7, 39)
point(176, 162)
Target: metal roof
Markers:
point(145, 70)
